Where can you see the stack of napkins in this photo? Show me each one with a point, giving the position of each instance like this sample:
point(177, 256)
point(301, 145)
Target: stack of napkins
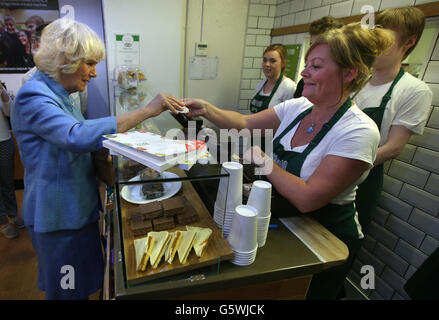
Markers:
point(155, 151)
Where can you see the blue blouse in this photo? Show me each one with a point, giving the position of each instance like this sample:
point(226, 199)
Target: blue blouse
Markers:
point(54, 141)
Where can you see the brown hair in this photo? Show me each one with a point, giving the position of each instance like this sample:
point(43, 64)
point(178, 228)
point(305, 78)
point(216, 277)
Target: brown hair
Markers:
point(37, 19)
point(354, 46)
point(282, 53)
point(324, 24)
point(407, 22)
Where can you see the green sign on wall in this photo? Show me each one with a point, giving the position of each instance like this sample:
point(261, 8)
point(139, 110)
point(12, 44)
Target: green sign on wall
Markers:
point(293, 52)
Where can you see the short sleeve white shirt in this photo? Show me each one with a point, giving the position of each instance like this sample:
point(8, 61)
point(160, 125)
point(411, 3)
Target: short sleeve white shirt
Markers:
point(284, 92)
point(408, 106)
point(354, 136)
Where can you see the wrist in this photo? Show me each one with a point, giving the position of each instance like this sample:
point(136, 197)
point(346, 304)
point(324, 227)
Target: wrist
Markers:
point(265, 165)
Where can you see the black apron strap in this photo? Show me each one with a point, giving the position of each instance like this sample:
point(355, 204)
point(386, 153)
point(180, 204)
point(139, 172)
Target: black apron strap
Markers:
point(292, 124)
point(260, 102)
point(376, 114)
point(388, 94)
point(327, 126)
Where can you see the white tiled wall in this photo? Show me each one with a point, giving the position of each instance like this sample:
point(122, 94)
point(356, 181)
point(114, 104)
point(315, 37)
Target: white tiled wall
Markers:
point(405, 227)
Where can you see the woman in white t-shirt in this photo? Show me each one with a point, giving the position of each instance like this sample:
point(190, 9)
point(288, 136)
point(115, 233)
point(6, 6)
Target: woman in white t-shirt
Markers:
point(277, 87)
point(323, 145)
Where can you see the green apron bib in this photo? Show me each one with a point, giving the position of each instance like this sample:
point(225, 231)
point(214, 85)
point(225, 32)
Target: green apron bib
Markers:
point(339, 219)
point(369, 192)
point(260, 102)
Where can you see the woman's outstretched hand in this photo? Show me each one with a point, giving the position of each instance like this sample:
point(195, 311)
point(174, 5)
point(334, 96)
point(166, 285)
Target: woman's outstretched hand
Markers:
point(162, 102)
point(197, 107)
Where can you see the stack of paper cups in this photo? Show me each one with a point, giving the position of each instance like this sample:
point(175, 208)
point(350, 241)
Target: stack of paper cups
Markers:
point(230, 188)
point(229, 196)
point(223, 219)
point(260, 198)
point(243, 235)
point(263, 224)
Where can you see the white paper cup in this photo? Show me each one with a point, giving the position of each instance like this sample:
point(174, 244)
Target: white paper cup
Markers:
point(222, 217)
point(243, 233)
point(260, 197)
point(244, 259)
point(262, 237)
point(263, 225)
point(230, 188)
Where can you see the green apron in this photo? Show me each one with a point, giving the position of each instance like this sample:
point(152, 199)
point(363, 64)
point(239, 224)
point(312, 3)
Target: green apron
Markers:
point(369, 192)
point(339, 219)
point(260, 102)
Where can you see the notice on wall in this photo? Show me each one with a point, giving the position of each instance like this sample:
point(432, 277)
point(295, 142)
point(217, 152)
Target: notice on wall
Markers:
point(203, 68)
point(293, 52)
point(127, 49)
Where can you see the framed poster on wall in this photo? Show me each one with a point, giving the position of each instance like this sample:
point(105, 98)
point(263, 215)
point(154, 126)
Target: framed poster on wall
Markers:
point(25, 14)
point(18, 23)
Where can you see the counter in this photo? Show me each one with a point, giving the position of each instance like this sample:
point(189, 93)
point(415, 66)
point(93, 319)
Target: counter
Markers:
point(283, 268)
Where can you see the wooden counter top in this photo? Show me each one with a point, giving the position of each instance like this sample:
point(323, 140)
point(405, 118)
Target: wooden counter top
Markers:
point(328, 248)
point(301, 249)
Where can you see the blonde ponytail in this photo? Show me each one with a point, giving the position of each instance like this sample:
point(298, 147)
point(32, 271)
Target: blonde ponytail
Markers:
point(354, 46)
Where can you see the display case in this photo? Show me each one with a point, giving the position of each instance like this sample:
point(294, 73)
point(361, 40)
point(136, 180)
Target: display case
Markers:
point(157, 204)
point(283, 267)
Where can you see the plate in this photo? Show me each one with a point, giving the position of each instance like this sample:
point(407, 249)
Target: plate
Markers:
point(134, 194)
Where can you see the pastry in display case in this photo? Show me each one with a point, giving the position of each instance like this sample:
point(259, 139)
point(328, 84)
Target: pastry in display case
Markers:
point(179, 228)
point(132, 85)
point(151, 190)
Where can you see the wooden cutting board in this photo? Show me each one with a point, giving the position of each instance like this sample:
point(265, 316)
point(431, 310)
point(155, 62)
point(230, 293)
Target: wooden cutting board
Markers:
point(218, 249)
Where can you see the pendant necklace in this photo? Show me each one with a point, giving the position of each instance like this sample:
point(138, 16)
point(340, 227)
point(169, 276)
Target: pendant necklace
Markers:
point(311, 127)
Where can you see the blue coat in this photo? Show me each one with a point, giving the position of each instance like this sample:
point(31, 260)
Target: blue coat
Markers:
point(55, 142)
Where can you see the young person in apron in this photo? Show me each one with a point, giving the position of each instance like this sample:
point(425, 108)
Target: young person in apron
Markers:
point(403, 101)
point(369, 192)
point(274, 62)
point(261, 102)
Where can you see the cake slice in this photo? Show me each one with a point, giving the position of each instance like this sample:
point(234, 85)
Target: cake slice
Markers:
point(173, 206)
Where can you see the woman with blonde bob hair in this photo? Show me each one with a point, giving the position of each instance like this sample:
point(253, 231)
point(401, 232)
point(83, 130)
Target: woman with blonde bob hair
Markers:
point(61, 201)
point(323, 145)
point(64, 45)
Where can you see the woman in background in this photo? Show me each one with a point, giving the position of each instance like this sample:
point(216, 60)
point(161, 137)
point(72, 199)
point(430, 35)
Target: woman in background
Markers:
point(25, 39)
point(277, 87)
point(8, 202)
